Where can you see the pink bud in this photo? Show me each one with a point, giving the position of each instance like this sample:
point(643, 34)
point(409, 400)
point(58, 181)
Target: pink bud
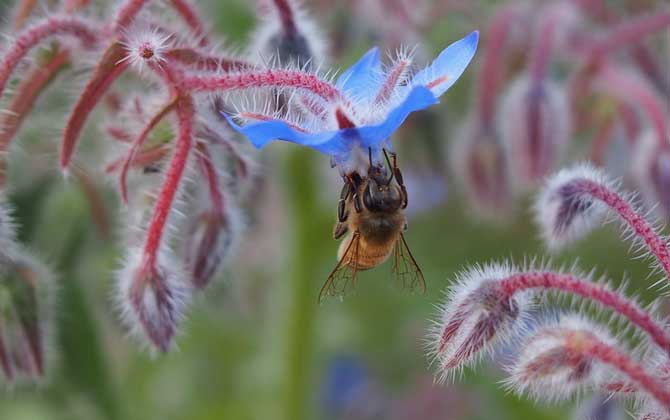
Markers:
point(211, 242)
point(572, 355)
point(25, 315)
point(288, 33)
point(650, 168)
point(553, 363)
point(481, 166)
point(477, 314)
point(153, 298)
point(535, 129)
point(564, 210)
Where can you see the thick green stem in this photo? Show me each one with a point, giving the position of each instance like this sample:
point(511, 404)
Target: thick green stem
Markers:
point(302, 282)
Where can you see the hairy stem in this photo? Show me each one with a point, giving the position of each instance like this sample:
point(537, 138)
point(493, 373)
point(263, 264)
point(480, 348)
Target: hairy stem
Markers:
point(139, 141)
point(24, 99)
point(109, 68)
point(625, 211)
point(633, 370)
point(172, 181)
point(588, 290)
point(631, 89)
point(490, 73)
point(37, 33)
point(267, 78)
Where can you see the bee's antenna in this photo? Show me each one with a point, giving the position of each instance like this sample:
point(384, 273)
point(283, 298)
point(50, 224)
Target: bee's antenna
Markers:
point(388, 161)
point(370, 156)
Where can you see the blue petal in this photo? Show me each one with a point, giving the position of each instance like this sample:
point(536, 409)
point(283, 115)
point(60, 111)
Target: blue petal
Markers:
point(450, 64)
point(362, 79)
point(373, 135)
point(260, 134)
point(340, 142)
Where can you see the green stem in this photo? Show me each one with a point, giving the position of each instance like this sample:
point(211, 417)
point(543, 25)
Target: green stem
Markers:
point(302, 295)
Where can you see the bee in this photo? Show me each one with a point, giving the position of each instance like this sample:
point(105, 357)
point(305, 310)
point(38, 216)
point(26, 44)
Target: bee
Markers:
point(371, 219)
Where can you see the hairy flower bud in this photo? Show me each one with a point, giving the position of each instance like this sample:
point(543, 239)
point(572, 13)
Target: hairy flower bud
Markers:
point(481, 166)
point(572, 355)
point(564, 209)
point(153, 298)
point(288, 33)
point(211, 242)
point(554, 362)
point(477, 314)
point(574, 202)
point(650, 168)
point(25, 315)
point(535, 129)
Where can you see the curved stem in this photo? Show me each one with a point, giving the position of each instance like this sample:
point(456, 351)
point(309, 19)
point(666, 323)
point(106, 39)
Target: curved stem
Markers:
point(109, 68)
point(37, 33)
point(192, 19)
point(193, 58)
point(24, 99)
point(490, 73)
point(629, 32)
point(267, 78)
point(139, 141)
point(172, 181)
point(570, 284)
point(286, 16)
point(542, 50)
point(209, 171)
point(628, 88)
point(625, 211)
point(636, 372)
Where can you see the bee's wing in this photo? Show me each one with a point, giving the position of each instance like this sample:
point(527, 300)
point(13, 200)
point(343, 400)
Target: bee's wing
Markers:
point(343, 276)
point(404, 268)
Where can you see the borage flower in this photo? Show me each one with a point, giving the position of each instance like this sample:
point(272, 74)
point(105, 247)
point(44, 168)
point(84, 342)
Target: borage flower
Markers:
point(368, 102)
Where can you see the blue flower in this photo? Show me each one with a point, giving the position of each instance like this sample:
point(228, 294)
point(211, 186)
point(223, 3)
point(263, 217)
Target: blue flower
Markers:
point(374, 101)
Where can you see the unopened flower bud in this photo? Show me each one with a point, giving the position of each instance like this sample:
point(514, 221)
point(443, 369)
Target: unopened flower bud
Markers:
point(211, 242)
point(535, 129)
point(289, 34)
point(477, 314)
point(565, 210)
point(481, 166)
point(555, 362)
point(650, 168)
point(153, 297)
point(25, 315)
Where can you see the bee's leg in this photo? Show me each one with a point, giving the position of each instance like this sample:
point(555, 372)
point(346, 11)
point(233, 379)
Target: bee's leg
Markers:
point(400, 181)
point(340, 230)
point(357, 203)
point(342, 214)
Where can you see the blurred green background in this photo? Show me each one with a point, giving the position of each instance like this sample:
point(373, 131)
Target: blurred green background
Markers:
point(257, 345)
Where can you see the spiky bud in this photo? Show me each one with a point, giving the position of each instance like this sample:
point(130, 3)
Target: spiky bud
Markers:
point(554, 362)
point(650, 167)
point(481, 166)
point(535, 129)
point(564, 210)
point(146, 47)
point(574, 201)
point(571, 355)
point(153, 298)
point(26, 289)
point(287, 33)
point(211, 242)
point(476, 314)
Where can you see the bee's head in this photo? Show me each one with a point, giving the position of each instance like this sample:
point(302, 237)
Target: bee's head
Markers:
point(382, 195)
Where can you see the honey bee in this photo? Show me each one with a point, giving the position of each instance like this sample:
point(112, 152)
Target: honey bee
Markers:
point(371, 219)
